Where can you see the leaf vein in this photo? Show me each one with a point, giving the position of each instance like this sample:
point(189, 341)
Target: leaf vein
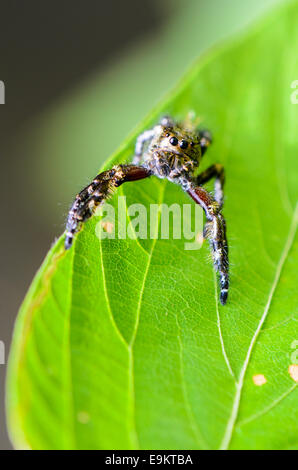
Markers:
point(235, 407)
point(268, 408)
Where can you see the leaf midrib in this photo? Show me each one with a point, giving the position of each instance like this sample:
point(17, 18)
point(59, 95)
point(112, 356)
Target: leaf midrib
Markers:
point(129, 345)
point(138, 312)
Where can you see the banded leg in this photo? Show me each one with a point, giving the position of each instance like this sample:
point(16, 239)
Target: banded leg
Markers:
point(166, 121)
point(215, 232)
point(142, 140)
point(205, 140)
point(99, 190)
point(145, 138)
point(214, 171)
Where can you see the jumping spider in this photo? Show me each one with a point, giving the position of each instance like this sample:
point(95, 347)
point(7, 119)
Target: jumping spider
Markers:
point(171, 151)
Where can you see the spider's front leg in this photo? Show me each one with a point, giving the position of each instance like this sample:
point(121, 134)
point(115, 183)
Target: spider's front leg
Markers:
point(99, 190)
point(145, 138)
point(215, 232)
point(142, 140)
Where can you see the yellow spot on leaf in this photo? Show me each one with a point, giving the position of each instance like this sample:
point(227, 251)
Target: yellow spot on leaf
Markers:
point(108, 226)
point(259, 379)
point(83, 417)
point(293, 371)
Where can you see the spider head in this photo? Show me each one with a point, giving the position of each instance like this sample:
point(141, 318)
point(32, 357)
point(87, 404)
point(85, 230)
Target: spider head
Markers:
point(181, 148)
point(178, 141)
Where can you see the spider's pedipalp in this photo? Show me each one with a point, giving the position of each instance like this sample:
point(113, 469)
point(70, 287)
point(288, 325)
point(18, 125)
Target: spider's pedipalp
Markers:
point(98, 191)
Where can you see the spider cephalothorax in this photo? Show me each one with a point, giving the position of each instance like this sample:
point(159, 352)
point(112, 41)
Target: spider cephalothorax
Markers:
point(172, 151)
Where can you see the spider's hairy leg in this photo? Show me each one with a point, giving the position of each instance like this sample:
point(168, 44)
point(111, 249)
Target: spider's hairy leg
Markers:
point(167, 121)
point(98, 191)
point(214, 171)
point(205, 140)
point(142, 140)
point(215, 232)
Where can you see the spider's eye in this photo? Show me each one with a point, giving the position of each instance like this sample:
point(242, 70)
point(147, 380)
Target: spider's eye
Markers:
point(183, 144)
point(173, 141)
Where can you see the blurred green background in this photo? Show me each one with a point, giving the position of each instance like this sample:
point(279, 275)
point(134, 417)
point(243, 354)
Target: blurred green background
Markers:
point(79, 76)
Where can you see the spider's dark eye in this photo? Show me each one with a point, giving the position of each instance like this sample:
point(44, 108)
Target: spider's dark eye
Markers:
point(173, 141)
point(183, 144)
point(192, 144)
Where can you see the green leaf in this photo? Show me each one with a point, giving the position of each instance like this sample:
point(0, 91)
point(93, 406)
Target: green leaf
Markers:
point(121, 344)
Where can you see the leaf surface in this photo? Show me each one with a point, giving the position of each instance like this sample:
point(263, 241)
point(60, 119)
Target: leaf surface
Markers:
point(121, 344)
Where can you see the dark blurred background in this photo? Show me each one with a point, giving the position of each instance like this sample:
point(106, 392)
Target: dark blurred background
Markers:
point(78, 77)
